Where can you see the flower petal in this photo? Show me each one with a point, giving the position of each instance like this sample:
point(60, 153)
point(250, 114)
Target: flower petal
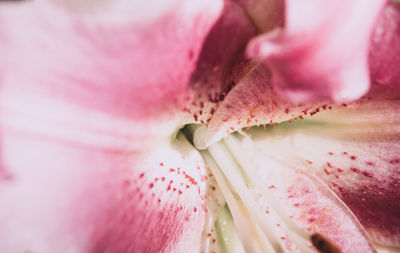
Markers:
point(247, 95)
point(385, 48)
point(253, 101)
point(355, 150)
point(86, 117)
point(221, 61)
point(310, 204)
point(69, 198)
point(111, 67)
point(322, 51)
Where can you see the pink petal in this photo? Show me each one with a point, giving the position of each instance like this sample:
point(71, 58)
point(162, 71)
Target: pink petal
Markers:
point(87, 107)
point(216, 69)
point(129, 69)
point(310, 204)
point(254, 102)
point(65, 197)
point(384, 54)
point(355, 151)
point(322, 51)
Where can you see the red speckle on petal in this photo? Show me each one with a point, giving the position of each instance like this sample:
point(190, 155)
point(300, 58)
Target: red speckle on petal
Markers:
point(141, 175)
point(353, 157)
point(340, 170)
point(212, 111)
point(370, 163)
point(355, 169)
point(367, 174)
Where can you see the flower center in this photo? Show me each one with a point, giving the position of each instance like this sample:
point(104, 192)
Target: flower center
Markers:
point(252, 219)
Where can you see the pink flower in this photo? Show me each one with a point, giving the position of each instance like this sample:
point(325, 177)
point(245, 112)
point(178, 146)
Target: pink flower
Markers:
point(93, 97)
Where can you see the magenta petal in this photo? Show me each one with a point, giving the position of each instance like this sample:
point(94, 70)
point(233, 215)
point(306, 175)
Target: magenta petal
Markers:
point(384, 54)
point(322, 51)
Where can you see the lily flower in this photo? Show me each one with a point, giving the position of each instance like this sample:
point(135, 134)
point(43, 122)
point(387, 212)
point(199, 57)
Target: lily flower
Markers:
point(132, 126)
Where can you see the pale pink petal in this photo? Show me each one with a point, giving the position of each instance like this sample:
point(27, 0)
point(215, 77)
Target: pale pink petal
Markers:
point(129, 69)
point(384, 54)
point(355, 150)
point(65, 197)
point(321, 53)
point(87, 110)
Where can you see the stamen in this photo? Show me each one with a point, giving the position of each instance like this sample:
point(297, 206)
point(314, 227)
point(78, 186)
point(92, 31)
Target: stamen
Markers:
point(294, 232)
point(228, 238)
point(232, 173)
point(241, 187)
point(249, 235)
